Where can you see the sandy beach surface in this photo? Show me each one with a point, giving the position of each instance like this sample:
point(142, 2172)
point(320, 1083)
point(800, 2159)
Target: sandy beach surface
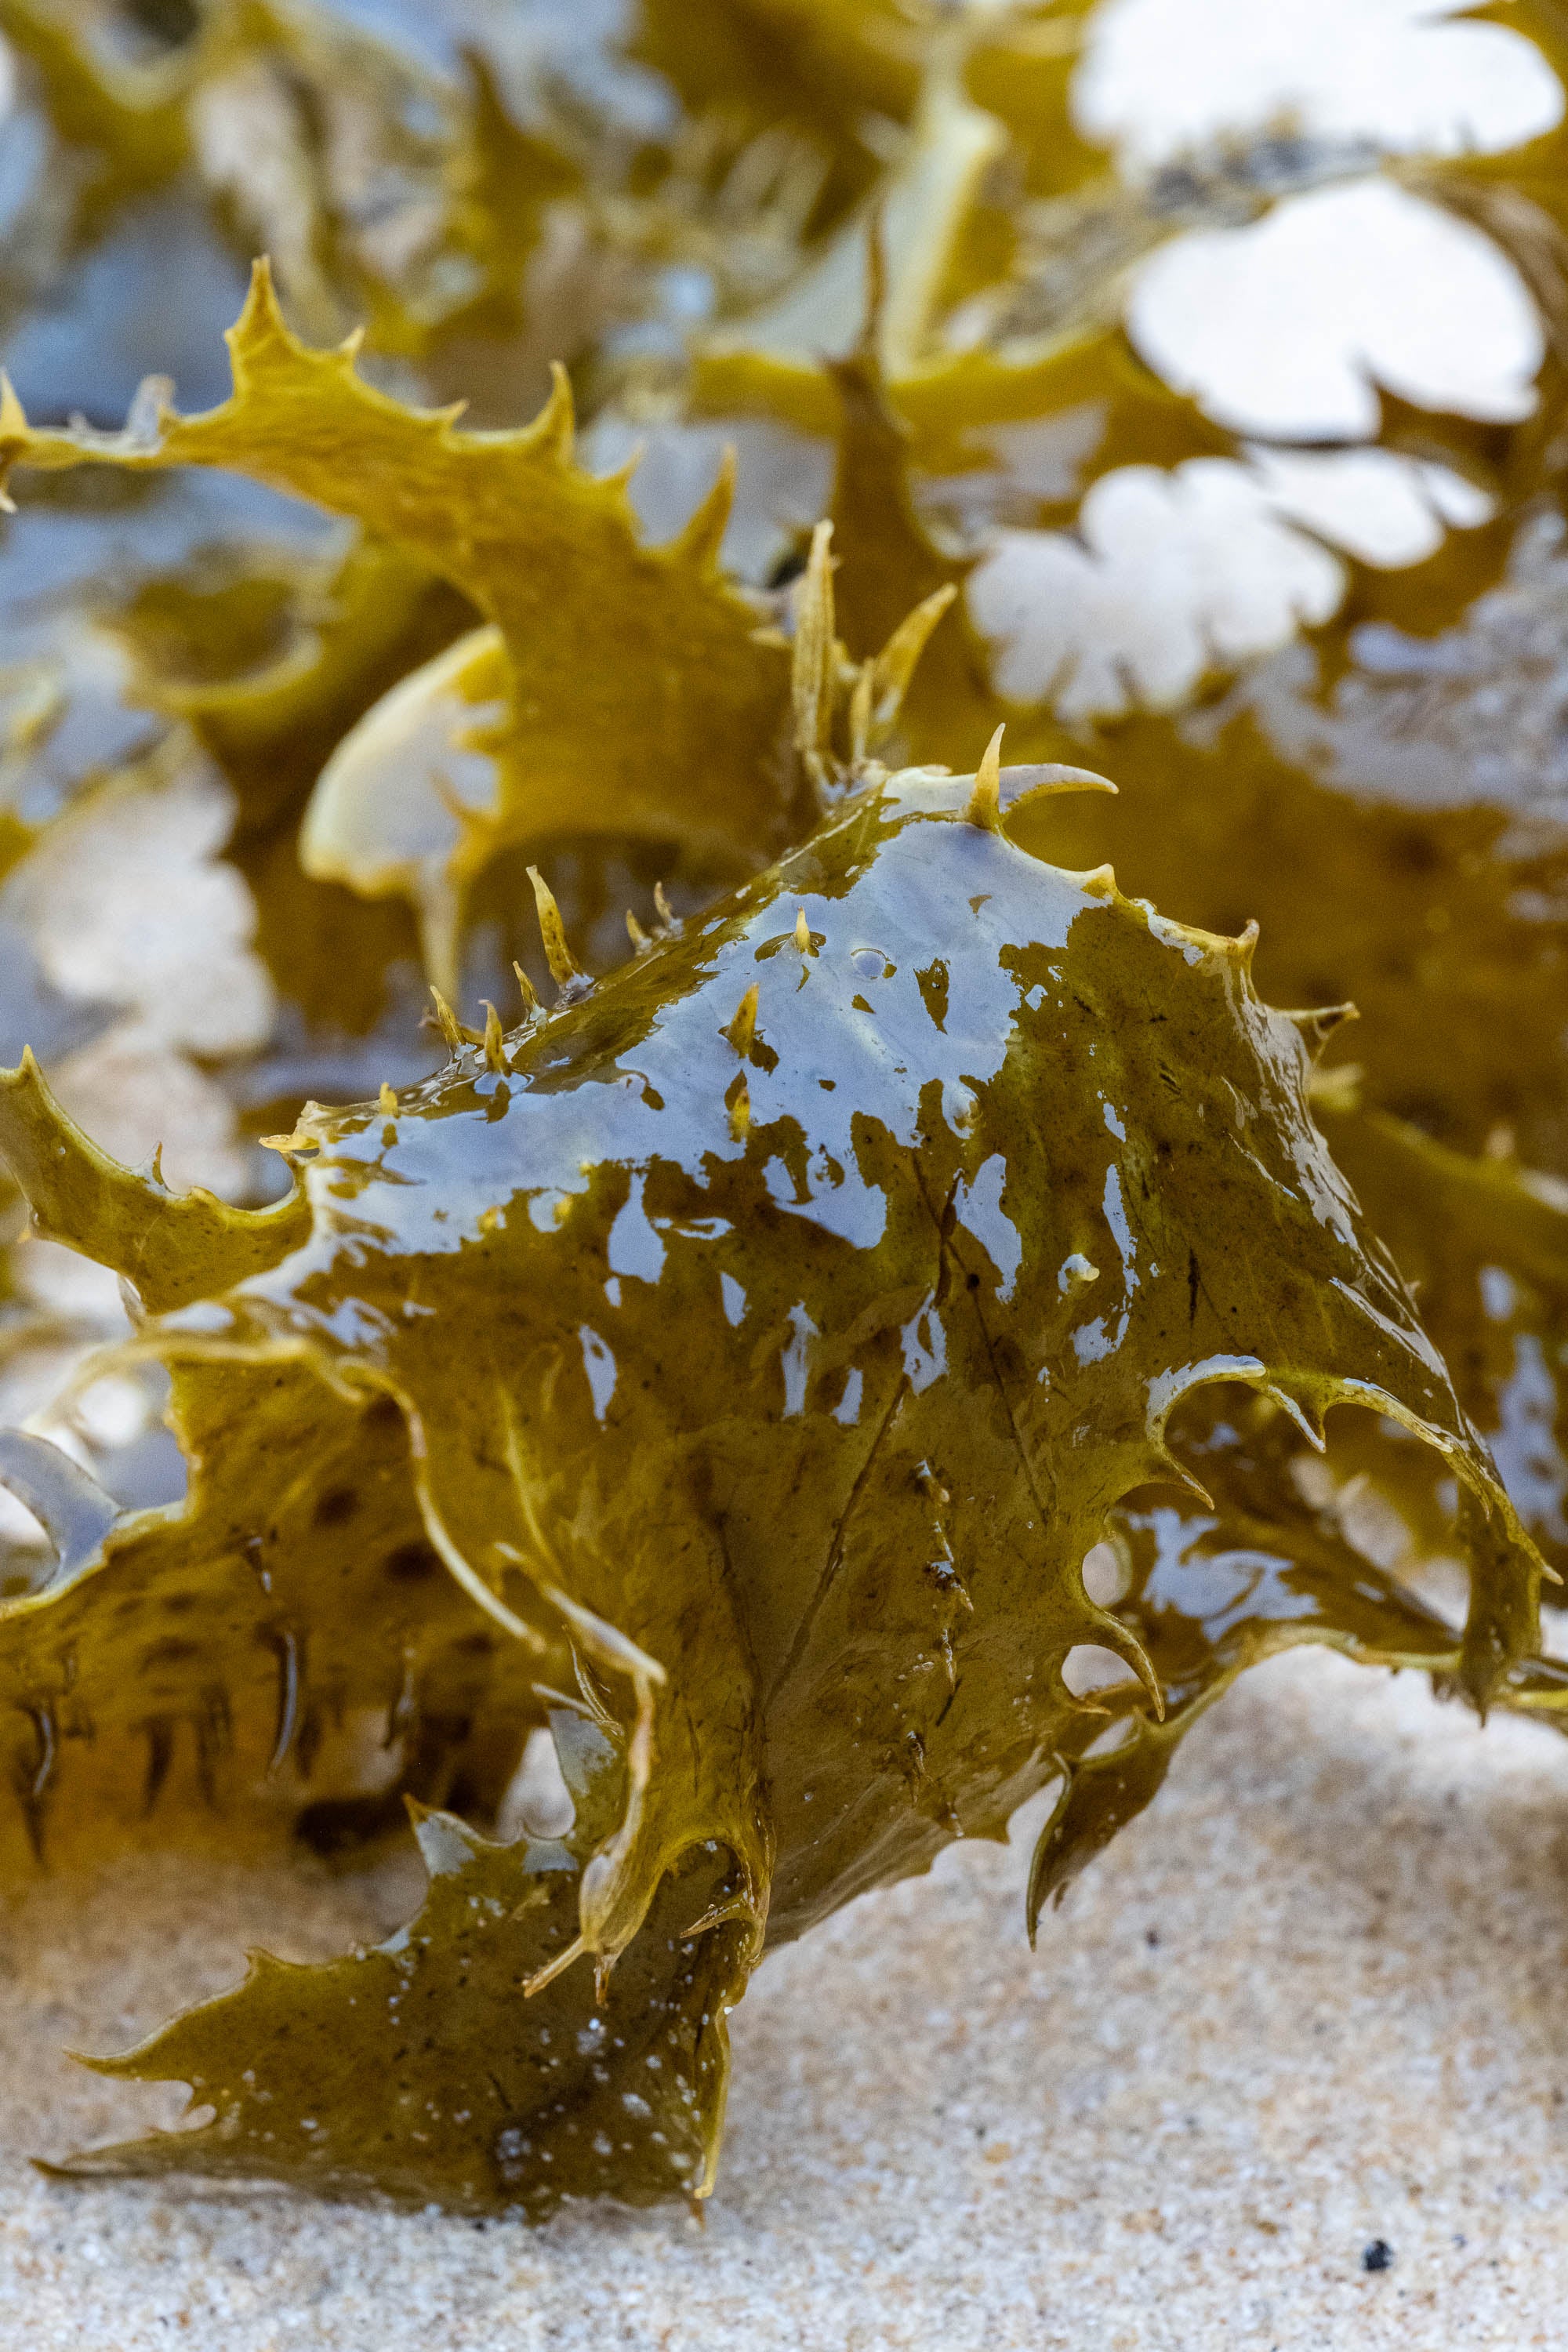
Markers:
point(1310, 2009)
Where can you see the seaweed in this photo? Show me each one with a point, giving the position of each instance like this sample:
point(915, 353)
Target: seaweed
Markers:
point(1383, 800)
point(377, 181)
point(741, 1373)
point(969, 1171)
point(1343, 798)
point(640, 693)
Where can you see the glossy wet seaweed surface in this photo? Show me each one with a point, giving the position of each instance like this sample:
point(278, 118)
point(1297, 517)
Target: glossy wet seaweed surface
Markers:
point(725, 1371)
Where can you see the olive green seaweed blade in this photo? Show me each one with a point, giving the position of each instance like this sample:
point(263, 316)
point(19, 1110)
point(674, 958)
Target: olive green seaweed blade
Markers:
point(422, 2069)
point(646, 698)
point(776, 1327)
point(172, 1246)
point(1231, 1573)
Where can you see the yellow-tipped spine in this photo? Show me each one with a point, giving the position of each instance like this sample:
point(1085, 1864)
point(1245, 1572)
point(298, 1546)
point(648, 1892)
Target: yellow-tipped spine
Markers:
point(556, 427)
point(895, 665)
point(812, 661)
point(702, 535)
point(564, 970)
point(447, 1020)
point(743, 1027)
point(985, 801)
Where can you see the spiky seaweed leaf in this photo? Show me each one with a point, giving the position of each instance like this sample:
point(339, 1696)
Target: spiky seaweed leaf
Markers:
point(643, 695)
point(385, 189)
point(976, 1247)
point(968, 1170)
point(1387, 806)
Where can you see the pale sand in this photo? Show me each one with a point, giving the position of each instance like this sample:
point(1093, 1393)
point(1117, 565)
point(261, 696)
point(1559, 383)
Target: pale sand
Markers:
point(1315, 1997)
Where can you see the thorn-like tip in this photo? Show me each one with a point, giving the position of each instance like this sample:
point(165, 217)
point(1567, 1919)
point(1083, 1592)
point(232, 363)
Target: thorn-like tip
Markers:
point(386, 1101)
point(261, 294)
point(525, 989)
point(743, 1027)
point(12, 415)
point(814, 659)
point(701, 538)
point(495, 1042)
point(1143, 1666)
point(668, 919)
point(985, 801)
point(638, 936)
point(555, 427)
point(564, 970)
point(1318, 1024)
point(563, 1959)
point(448, 1021)
point(862, 708)
point(1043, 779)
point(802, 931)
point(895, 666)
